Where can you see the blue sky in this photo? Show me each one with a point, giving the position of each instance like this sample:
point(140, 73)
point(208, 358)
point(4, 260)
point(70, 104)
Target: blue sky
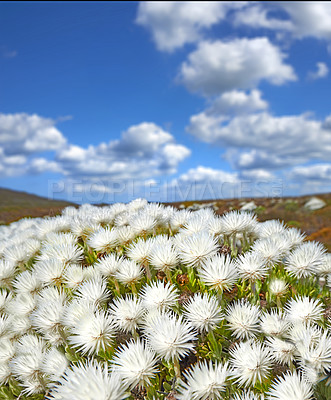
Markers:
point(103, 102)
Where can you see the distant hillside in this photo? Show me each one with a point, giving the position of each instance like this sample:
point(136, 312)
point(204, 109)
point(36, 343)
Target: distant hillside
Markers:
point(15, 205)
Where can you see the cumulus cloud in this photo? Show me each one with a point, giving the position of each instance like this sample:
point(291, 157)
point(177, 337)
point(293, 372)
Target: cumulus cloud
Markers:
point(173, 24)
point(222, 66)
point(237, 102)
point(266, 140)
point(143, 151)
point(27, 134)
point(317, 173)
point(321, 72)
point(307, 19)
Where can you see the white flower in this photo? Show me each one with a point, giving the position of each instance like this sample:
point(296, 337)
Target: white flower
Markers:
point(89, 381)
point(304, 336)
point(5, 299)
point(54, 364)
point(159, 295)
point(93, 333)
point(50, 271)
point(29, 344)
point(21, 305)
point(125, 234)
point(247, 395)
point(318, 354)
point(129, 272)
point(66, 252)
point(269, 228)
point(238, 221)
point(136, 363)
point(76, 310)
point(215, 226)
point(243, 319)
point(197, 248)
point(290, 386)
point(274, 323)
point(128, 313)
point(252, 266)
point(325, 268)
point(203, 311)
point(7, 272)
point(271, 249)
point(294, 236)
point(282, 351)
point(94, 291)
point(27, 282)
point(178, 219)
point(139, 251)
point(103, 240)
point(305, 260)
point(108, 265)
point(205, 381)
point(170, 336)
point(164, 257)
point(251, 361)
point(278, 287)
point(142, 223)
point(219, 272)
point(74, 275)
point(303, 309)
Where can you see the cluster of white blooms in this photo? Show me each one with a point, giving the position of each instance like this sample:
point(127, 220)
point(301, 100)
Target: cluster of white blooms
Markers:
point(139, 299)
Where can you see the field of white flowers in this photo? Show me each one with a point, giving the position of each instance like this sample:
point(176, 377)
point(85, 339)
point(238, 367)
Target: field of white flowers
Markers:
point(142, 301)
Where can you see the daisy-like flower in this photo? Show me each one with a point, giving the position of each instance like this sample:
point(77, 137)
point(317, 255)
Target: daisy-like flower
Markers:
point(139, 251)
point(203, 311)
point(17, 254)
point(93, 333)
point(197, 248)
point(282, 351)
point(247, 395)
point(294, 237)
point(108, 265)
point(164, 257)
point(54, 364)
point(46, 319)
point(88, 381)
point(252, 266)
point(94, 291)
point(66, 252)
point(142, 223)
point(74, 275)
point(274, 323)
point(125, 235)
point(305, 260)
point(219, 272)
point(51, 271)
point(251, 362)
point(325, 268)
point(7, 272)
point(21, 305)
point(103, 240)
point(159, 296)
point(238, 222)
point(204, 381)
point(27, 282)
point(304, 336)
point(304, 310)
point(5, 298)
point(127, 313)
point(278, 287)
point(196, 223)
point(129, 272)
point(318, 354)
point(270, 228)
point(76, 310)
point(271, 249)
point(170, 336)
point(179, 219)
point(135, 362)
point(215, 226)
point(243, 319)
point(290, 386)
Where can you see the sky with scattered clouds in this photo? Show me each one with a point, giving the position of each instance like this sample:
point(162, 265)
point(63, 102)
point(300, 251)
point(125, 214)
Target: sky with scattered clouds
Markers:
point(103, 102)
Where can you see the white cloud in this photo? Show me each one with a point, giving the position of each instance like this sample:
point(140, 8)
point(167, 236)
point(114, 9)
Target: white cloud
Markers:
point(318, 173)
point(203, 174)
point(310, 18)
point(321, 72)
point(173, 24)
point(143, 151)
point(304, 19)
point(237, 102)
point(266, 140)
point(26, 134)
point(220, 66)
point(256, 15)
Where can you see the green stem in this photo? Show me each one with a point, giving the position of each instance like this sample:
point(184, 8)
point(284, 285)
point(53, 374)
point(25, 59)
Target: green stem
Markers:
point(168, 275)
point(177, 368)
point(133, 288)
